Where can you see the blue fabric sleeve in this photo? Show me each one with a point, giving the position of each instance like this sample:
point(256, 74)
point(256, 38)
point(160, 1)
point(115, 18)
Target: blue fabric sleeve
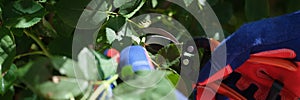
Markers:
point(267, 34)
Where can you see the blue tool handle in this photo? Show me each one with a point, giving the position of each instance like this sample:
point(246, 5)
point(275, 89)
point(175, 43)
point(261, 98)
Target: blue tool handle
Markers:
point(137, 57)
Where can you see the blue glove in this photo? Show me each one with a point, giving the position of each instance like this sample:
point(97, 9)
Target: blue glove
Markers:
point(268, 34)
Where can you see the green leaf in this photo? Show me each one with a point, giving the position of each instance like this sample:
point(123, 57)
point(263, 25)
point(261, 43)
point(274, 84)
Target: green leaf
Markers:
point(35, 72)
point(256, 9)
point(173, 77)
point(154, 3)
point(64, 89)
point(27, 6)
point(107, 67)
point(85, 14)
point(44, 29)
point(119, 3)
point(25, 23)
point(116, 23)
point(151, 85)
point(125, 32)
point(23, 14)
point(62, 28)
point(70, 13)
point(164, 58)
point(36, 75)
point(42, 1)
point(188, 2)
point(7, 49)
point(49, 28)
point(9, 94)
point(67, 67)
point(1, 18)
point(125, 42)
point(130, 8)
point(127, 72)
point(7, 79)
point(94, 14)
point(88, 64)
point(110, 35)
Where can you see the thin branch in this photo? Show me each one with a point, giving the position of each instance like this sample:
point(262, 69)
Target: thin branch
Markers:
point(103, 86)
point(139, 26)
point(29, 53)
point(39, 42)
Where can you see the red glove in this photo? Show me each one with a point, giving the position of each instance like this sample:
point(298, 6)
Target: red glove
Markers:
point(112, 53)
point(263, 70)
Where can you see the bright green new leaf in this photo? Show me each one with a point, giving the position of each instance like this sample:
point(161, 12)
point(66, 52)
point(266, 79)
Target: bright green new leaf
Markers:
point(173, 77)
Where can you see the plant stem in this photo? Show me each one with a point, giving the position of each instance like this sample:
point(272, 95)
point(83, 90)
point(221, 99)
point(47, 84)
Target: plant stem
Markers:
point(103, 86)
point(29, 53)
point(157, 65)
point(139, 26)
point(98, 91)
point(87, 94)
point(39, 42)
point(112, 79)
